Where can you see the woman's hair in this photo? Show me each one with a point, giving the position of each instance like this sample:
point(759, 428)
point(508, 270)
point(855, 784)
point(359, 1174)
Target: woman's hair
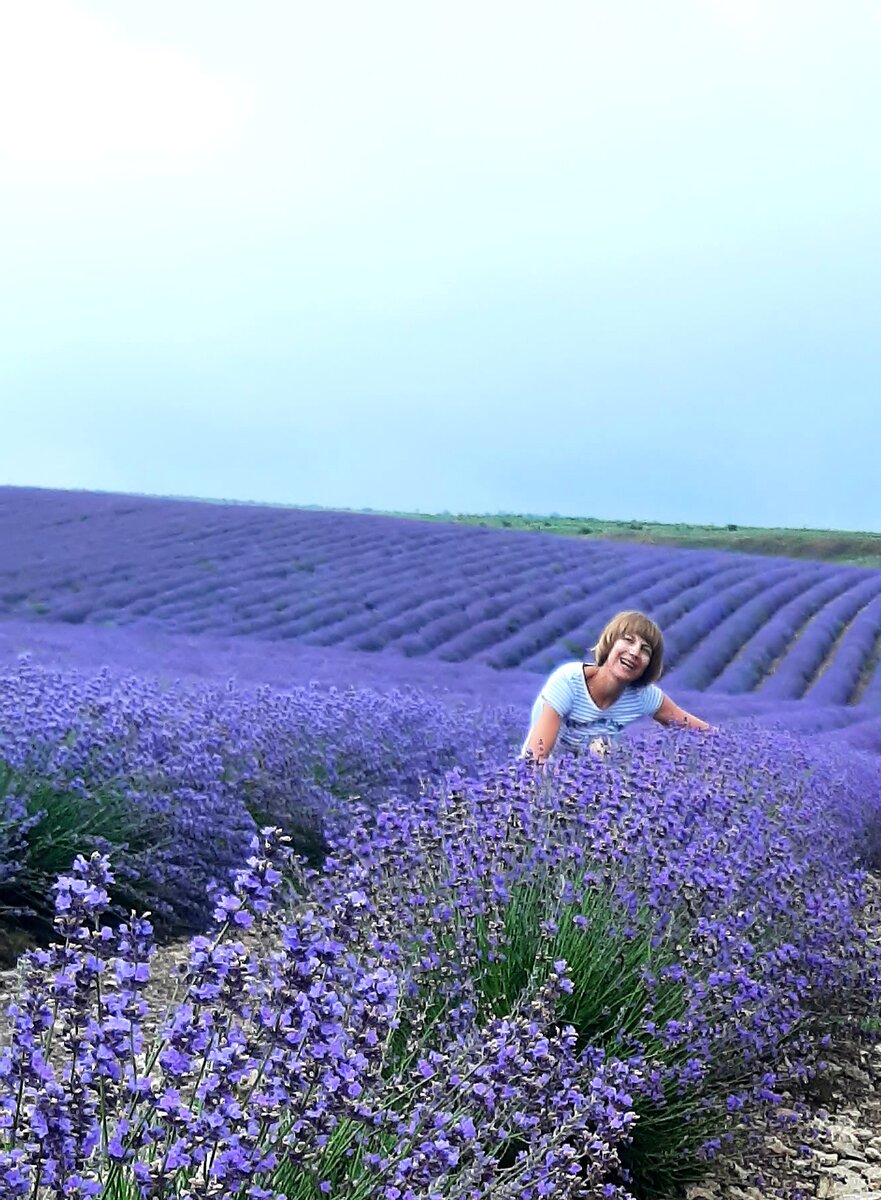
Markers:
point(642, 626)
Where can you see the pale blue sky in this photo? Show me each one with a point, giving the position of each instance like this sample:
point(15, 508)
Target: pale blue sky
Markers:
point(617, 260)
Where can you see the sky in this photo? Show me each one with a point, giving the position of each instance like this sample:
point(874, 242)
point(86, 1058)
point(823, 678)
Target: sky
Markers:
point(612, 260)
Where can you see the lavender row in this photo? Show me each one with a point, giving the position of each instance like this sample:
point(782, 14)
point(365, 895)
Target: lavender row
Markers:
point(795, 672)
point(684, 636)
point(537, 620)
point(731, 632)
point(579, 623)
point(770, 643)
point(647, 597)
point(855, 650)
point(195, 767)
point(409, 596)
point(417, 631)
point(173, 659)
point(870, 690)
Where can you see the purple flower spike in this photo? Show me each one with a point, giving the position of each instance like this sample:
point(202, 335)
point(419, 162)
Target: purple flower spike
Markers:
point(82, 896)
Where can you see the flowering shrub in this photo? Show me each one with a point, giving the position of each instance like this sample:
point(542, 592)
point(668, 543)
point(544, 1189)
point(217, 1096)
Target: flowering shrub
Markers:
point(705, 895)
point(43, 826)
point(502, 982)
point(194, 770)
point(274, 1076)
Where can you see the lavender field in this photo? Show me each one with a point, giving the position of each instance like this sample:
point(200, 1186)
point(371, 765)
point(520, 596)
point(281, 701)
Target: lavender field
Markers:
point(190, 587)
point(474, 980)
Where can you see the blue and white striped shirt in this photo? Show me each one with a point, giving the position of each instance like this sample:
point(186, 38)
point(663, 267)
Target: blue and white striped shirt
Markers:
point(582, 721)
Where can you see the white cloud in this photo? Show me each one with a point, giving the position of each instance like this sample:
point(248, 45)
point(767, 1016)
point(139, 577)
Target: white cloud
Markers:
point(79, 97)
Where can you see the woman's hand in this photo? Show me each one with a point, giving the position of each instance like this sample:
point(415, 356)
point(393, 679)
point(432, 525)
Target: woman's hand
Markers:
point(598, 748)
point(543, 734)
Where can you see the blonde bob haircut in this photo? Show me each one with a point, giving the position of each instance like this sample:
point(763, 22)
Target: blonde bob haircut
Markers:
point(641, 626)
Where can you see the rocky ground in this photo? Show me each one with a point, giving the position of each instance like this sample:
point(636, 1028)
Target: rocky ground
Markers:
point(828, 1144)
point(831, 1151)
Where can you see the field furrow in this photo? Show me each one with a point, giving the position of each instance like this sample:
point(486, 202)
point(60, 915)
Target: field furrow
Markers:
point(839, 673)
point(798, 667)
point(769, 644)
point(699, 670)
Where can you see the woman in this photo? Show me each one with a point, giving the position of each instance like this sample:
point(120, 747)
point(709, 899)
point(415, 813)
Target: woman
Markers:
point(583, 705)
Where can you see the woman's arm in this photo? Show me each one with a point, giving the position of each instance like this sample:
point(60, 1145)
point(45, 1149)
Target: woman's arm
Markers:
point(671, 714)
point(543, 734)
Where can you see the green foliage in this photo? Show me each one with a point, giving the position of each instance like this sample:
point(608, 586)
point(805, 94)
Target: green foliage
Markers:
point(616, 964)
point(341, 1164)
point(607, 956)
point(617, 976)
point(841, 546)
point(55, 826)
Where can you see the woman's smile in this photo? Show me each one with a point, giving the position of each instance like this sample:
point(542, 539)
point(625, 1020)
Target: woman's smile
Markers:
point(631, 654)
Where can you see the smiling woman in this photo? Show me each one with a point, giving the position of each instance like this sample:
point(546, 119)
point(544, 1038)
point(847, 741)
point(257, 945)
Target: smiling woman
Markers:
point(585, 705)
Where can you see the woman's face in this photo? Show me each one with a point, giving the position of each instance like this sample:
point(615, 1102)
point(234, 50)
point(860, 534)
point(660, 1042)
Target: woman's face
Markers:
point(629, 657)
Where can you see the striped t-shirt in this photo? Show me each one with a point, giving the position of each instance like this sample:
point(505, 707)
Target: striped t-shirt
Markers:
point(566, 692)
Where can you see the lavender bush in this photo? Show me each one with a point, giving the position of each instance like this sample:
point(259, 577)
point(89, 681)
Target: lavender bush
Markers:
point(502, 982)
point(194, 770)
point(273, 1076)
point(706, 899)
point(45, 826)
